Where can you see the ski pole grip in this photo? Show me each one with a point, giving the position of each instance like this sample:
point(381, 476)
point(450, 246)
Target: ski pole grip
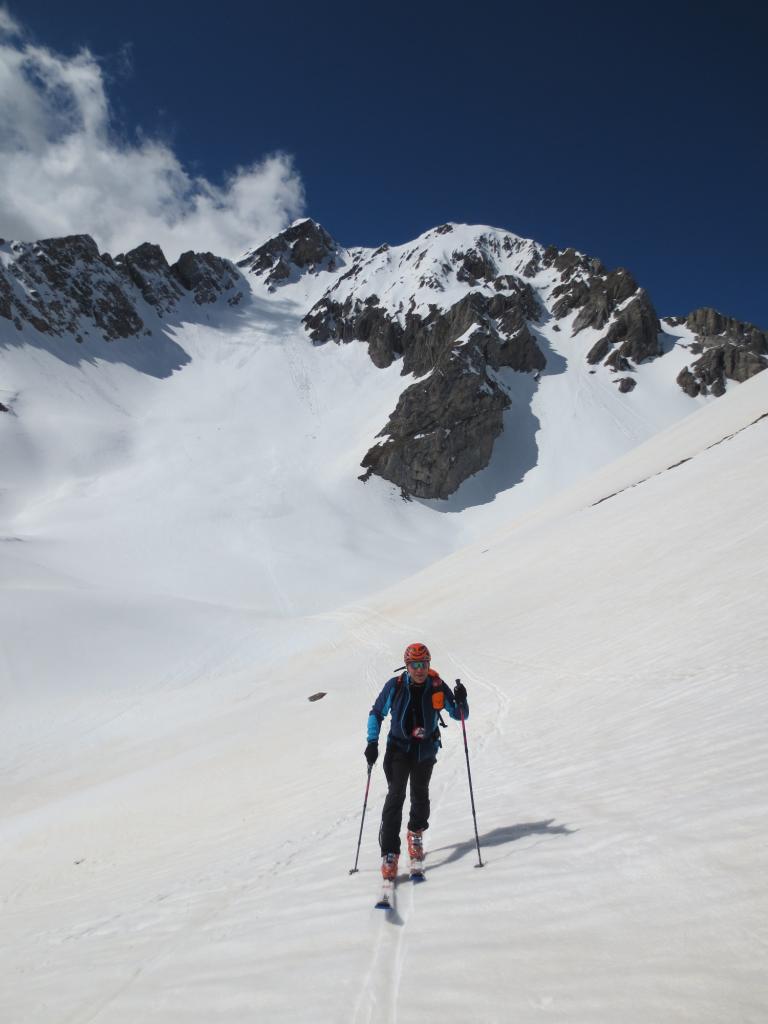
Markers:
point(461, 710)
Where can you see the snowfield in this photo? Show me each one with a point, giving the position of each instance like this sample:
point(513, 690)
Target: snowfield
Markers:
point(185, 559)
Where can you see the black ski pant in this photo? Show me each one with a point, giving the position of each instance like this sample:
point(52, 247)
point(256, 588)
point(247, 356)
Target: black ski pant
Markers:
point(400, 768)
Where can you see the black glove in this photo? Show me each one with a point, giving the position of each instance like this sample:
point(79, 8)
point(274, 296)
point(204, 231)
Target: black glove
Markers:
point(372, 752)
point(460, 692)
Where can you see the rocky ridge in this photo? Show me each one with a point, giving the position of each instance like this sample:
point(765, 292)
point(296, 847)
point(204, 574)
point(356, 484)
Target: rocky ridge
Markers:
point(727, 349)
point(65, 287)
point(458, 313)
point(461, 308)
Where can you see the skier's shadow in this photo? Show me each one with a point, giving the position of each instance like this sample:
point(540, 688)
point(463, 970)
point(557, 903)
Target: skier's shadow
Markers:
point(496, 837)
point(499, 836)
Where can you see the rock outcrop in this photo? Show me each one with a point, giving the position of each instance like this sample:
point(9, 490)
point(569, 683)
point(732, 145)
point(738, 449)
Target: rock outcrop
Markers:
point(441, 432)
point(208, 277)
point(62, 286)
point(147, 268)
point(604, 294)
point(636, 330)
point(303, 247)
point(65, 287)
point(422, 339)
point(578, 275)
point(728, 350)
point(443, 429)
point(602, 298)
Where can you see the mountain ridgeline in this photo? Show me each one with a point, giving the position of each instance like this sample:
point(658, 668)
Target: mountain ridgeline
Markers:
point(461, 308)
point(66, 288)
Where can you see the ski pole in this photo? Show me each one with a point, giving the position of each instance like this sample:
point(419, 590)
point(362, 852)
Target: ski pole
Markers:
point(471, 793)
point(365, 804)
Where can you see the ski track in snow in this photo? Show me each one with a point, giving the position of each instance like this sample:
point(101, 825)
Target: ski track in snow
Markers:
point(379, 996)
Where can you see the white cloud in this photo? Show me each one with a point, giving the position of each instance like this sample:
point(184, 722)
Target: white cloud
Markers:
point(64, 171)
point(8, 26)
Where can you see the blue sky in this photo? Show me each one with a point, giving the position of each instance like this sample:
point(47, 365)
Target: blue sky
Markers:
point(636, 134)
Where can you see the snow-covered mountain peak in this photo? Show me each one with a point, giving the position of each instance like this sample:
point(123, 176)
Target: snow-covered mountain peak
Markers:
point(303, 248)
point(435, 270)
point(478, 318)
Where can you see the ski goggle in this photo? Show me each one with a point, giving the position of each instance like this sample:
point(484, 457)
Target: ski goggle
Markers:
point(418, 664)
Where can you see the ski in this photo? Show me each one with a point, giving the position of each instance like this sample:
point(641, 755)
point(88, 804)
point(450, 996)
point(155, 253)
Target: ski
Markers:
point(416, 871)
point(386, 898)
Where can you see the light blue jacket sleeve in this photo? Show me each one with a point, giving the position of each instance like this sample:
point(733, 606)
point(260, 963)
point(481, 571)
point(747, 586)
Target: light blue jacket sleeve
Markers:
point(380, 710)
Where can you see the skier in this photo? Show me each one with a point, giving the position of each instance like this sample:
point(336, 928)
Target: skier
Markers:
point(415, 699)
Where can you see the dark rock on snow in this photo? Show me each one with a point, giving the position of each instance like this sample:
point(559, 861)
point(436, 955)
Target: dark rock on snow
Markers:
point(207, 277)
point(65, 281)
point(303, 246)
point(66, 287)
point(441, 432)
point(424, 338)
point(604, 294)
point(147, 268)
point(636, 330)
point(729, 350)
point(443, 429)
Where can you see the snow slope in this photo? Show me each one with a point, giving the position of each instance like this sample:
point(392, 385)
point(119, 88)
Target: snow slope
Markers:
point(178, 820)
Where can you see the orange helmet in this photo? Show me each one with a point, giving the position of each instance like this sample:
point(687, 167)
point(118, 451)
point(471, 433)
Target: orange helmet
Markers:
point(416, 652)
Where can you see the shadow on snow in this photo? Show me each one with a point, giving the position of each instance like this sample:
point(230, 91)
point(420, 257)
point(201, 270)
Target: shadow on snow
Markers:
point(498, 837)
point(515, 451)
point(156, 351)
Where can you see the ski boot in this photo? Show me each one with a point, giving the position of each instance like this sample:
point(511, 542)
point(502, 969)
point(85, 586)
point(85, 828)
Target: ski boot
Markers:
point(416, 844)
point(389, 866)
point(416, 854)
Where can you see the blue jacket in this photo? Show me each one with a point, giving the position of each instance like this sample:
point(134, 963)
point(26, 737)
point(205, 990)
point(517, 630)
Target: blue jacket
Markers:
point(395, 697)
